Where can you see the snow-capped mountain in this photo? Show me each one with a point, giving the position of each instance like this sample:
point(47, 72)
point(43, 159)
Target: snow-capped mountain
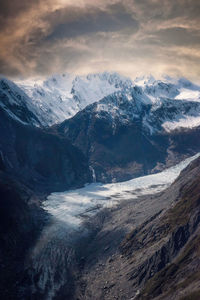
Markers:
point(62, 96)
point(161, 105)
point(125, 128)
point(158, 107)
point(17, 104)
point(139, 129)
point(174, 102)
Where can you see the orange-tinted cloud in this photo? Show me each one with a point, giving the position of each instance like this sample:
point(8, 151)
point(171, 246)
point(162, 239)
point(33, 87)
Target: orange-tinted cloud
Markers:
point(40, 37)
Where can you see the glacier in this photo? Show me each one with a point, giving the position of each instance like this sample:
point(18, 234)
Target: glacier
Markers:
point(71, 206)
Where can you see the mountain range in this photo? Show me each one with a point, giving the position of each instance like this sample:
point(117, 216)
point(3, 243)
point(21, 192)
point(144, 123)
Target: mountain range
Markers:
point(60, 97)
point(123, 128)
point(68, 131)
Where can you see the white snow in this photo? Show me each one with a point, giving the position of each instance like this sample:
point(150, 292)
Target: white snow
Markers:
point(70, 205)
point(144, 80)
point(91, 89)
point(189, 95)
point(14, 100)
point(184, 122)
point(61, 96)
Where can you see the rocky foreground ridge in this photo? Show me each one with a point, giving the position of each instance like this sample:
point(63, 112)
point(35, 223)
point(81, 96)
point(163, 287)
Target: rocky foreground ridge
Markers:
point(159, 258)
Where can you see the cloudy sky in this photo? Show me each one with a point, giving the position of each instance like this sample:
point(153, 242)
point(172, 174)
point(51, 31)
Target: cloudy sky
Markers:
point(133, 37)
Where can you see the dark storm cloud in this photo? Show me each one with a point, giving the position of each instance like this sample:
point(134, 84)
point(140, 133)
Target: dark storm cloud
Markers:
point(84, 22)
point(39, 37)
point(12, 9)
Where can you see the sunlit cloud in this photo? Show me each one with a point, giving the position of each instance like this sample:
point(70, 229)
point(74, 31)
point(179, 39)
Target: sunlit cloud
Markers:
point(133, 37)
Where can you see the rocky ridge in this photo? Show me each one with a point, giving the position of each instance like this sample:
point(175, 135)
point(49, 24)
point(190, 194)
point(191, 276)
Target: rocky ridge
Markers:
point(159, 258)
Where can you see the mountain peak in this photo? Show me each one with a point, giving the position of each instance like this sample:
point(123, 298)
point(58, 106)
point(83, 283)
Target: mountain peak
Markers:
point(144, 80)
point(61, 96)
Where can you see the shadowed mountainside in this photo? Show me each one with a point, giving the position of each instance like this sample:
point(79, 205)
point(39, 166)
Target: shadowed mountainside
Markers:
point(119, 151)
point(168, 246)
point(42, 160)
point(21, 221)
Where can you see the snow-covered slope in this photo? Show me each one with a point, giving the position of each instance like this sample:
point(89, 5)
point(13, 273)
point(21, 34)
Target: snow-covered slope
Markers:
point(165, 104)
point(171, 102)
point(17, 104)
point(155, 113)
point(62, 96)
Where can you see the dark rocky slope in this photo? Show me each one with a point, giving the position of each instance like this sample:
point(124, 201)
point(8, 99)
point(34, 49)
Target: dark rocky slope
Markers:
point(33, 162)
point(42, 160)
point(159, 258)
point(21, 221)
point(174, 238)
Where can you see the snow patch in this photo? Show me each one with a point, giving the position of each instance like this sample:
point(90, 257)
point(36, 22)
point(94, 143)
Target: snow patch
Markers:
point(189, 95)
point(185, 122)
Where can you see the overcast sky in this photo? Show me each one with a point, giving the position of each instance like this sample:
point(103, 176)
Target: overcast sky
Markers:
point(133, 37)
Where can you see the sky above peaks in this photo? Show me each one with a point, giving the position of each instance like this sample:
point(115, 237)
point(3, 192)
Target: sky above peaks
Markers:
point(132, 37)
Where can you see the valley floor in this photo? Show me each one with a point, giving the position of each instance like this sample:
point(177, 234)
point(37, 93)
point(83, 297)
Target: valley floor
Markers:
point(105, 271)
point(80, 255)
